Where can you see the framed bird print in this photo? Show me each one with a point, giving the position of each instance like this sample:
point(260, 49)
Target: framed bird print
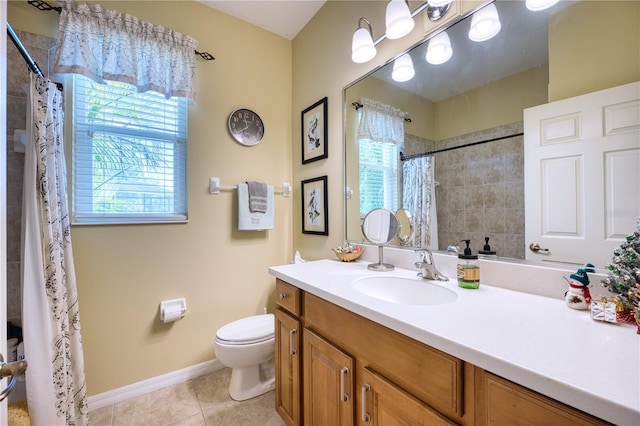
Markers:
point(314, 132)
point(314, 206)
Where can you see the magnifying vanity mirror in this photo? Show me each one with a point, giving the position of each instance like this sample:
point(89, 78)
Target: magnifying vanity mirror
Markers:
point(380, 227)
point(405, 226)
point(476, 101)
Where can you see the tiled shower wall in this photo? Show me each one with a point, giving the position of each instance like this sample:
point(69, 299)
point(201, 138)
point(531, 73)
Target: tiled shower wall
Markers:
point(481, 191)
point(40, 49)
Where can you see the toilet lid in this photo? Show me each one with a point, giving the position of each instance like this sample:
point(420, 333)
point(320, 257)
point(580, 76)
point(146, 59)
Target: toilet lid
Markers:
point(248, 330)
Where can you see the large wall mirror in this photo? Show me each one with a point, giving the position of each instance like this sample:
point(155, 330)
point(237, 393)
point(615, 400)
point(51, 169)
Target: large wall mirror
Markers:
point(477, 99)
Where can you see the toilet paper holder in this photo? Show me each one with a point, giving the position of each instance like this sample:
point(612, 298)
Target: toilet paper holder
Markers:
point(173, 310)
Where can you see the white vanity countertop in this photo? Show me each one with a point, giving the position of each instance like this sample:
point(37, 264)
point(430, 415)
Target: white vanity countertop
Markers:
point(532, 340)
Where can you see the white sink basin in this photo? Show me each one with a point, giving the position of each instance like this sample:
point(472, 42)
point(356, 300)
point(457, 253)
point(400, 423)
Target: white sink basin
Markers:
point(408, 291)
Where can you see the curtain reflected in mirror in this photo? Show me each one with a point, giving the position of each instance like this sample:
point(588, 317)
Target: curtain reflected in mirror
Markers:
point(387, 182)
point(419, 198)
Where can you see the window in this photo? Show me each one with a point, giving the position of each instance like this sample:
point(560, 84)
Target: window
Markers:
point(378, 175)
point(129, 155)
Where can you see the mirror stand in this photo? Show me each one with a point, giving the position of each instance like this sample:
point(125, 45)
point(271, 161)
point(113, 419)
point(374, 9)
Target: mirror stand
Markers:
point(380, 266)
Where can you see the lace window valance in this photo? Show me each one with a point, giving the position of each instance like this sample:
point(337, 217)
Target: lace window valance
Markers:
point(381, 122)
point(104, 44)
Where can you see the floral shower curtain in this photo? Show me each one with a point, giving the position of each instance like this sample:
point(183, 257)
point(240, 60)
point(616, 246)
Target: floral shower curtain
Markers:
point(419, 198)
point(56, 392)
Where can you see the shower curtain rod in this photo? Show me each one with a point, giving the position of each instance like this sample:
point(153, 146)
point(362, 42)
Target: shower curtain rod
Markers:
point(44, 6)
point(424, 154)
point(33, 66)
point(23, 51)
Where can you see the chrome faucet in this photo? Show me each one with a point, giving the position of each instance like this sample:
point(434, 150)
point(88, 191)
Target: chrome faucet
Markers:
point(427, 267)
point(453, 249)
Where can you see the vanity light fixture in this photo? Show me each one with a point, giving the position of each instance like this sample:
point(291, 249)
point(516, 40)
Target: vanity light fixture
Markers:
point(439, 49)
point(403, 68)
point(538, 5)
point(485, 23)
point(439, 3)
point(398, 19)
point(399, 22)
point(362, 47)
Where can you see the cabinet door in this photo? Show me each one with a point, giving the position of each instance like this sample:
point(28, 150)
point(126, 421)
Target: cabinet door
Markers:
point(383, 403)
point(328, 383)
point(501, 402)
point(287, 361)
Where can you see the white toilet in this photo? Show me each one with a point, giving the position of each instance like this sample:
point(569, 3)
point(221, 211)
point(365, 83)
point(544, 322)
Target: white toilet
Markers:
point(248, 347)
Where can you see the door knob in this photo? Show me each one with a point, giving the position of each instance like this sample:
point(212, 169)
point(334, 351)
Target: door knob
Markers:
point(13, 370)
point(535, 247)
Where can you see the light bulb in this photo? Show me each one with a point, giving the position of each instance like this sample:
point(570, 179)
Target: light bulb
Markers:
point(403, 68)
point(362, 47)
point(538, 5)
point(485, 23)
point(439, 49)
point(398, 19)
point(438, 3)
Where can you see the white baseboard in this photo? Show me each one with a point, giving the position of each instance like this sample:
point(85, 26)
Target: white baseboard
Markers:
point(136, 389)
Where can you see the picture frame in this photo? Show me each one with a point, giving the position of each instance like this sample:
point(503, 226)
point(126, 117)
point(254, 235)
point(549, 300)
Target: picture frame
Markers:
point(314, 132)
point(315, 218)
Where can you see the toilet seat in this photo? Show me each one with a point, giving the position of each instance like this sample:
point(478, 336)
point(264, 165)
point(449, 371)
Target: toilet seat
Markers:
point(245, 331)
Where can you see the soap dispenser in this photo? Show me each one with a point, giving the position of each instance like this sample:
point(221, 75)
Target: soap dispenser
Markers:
point(468, 268)
point(486, 250)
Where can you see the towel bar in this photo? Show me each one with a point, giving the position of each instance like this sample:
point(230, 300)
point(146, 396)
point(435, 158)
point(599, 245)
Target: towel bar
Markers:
point(215, 187)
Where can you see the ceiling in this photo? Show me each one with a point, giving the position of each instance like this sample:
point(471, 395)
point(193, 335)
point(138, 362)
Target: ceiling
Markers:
point(283, 17)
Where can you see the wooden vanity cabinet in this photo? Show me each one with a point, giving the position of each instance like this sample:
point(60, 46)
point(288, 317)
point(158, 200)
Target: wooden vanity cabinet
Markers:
point(427, 374)
point(501, 402)
point(288, 337)
point(350, 370)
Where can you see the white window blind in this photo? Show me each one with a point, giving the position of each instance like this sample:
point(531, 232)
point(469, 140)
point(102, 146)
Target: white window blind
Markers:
point(129, 155)
point(378, 175)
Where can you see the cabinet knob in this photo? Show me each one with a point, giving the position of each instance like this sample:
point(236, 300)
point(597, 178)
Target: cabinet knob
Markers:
point(282, 296)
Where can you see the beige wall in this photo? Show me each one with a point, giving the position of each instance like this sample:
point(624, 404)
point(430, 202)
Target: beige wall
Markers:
point(583, 57)
point(123, 272)
point(494, 104)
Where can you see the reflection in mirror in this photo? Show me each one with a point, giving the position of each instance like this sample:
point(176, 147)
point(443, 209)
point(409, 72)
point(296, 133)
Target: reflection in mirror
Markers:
point(479, 95)
point(380, 227)
point(405, 226)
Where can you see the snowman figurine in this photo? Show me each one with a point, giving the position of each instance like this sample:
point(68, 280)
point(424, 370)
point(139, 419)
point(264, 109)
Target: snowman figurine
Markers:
point(578, 295)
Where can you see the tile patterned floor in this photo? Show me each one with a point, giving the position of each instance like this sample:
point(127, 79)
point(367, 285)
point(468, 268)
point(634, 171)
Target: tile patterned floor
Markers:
point(203, 401)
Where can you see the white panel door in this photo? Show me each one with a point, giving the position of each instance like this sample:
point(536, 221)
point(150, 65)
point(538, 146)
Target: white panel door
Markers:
point(582, 175)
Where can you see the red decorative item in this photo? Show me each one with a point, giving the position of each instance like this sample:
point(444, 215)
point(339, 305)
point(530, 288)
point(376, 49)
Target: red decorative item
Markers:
point(626, 316)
